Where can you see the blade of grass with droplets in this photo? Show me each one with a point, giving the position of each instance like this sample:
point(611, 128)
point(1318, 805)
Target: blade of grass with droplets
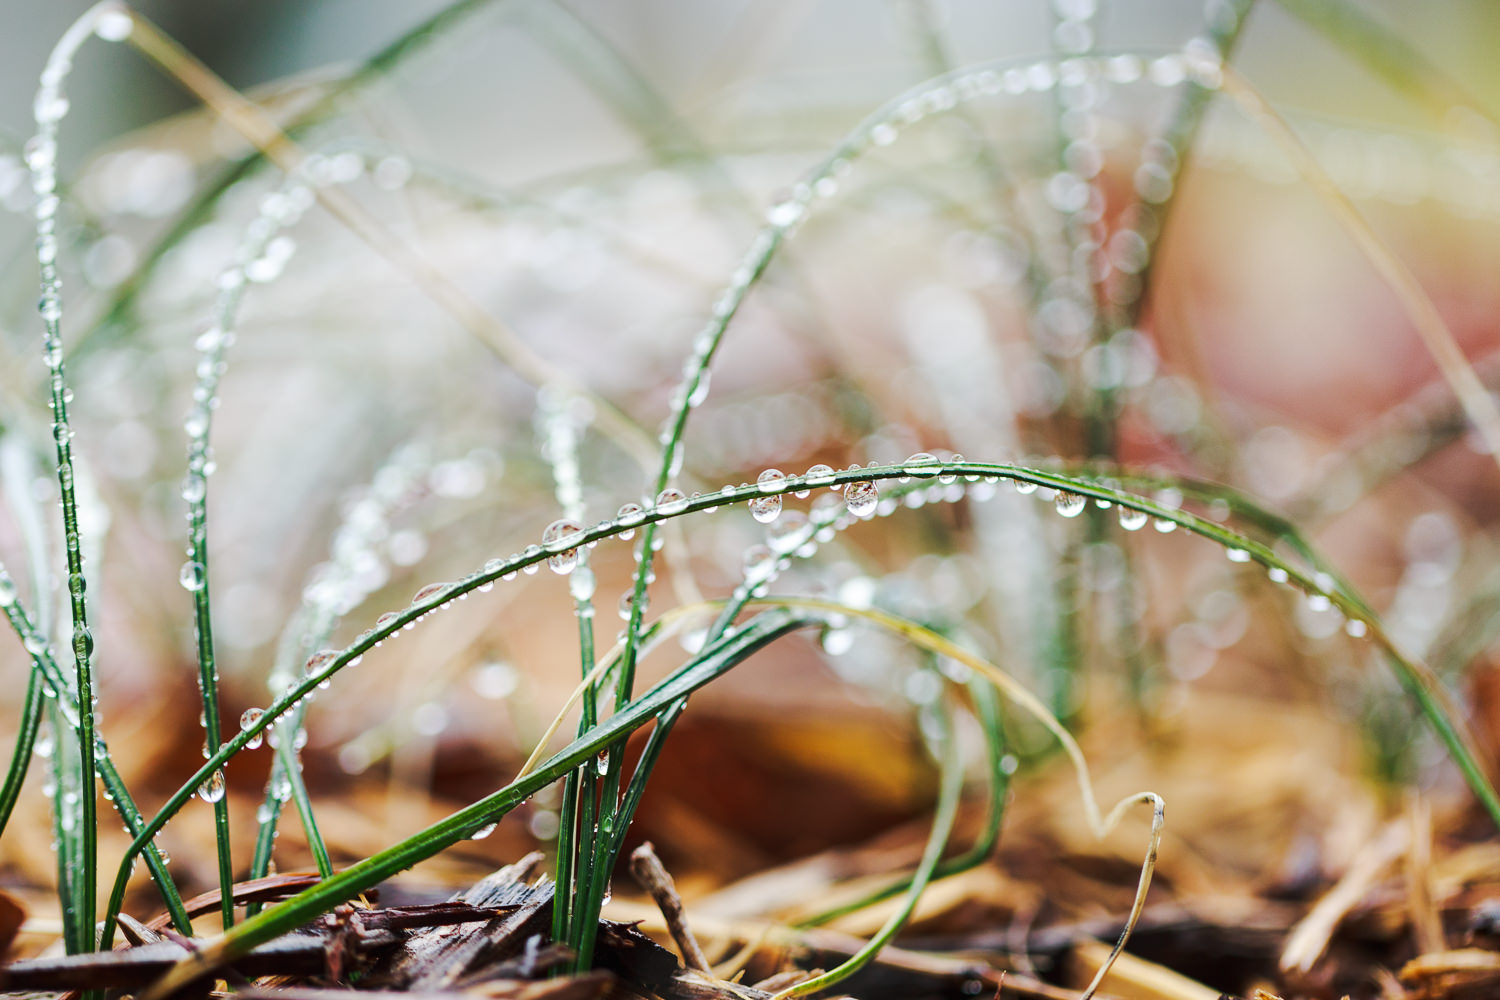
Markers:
point(559, 428)
point(987, 705)
point(950, 791)
point(20, 761)
point(52, 678)
point(1225, 29)
point(285, 916)
point(250, 121)
point(48, 110)
point(986, 474)
point(1100, 824)
point(439, 25)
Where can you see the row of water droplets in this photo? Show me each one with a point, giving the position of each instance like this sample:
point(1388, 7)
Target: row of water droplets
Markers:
point(1155, 177)
point(260, 258)
point(40, 153)
point(882, 128)
point(354, 570)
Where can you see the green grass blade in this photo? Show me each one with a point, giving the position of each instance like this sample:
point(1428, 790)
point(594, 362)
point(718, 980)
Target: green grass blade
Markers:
point(1383, 52)
point(20, 761)
point(949, 794)
point(713, 663)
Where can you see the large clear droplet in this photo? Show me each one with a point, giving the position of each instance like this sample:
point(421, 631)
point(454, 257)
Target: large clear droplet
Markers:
point(921, 464)
point(581, 584)
point(1132, 519)
point(212, 789)
point(629, 514)
point(248, 718)
point(319, 661)
point(765, 509)
point(861, 498)
point(561, 557)
point(671, 501)
point(191, 576)
point(820, 475)
point(788, 532)
point(1070, 504)
point(1023, 487)
point(1237, 555)
point(428, 592)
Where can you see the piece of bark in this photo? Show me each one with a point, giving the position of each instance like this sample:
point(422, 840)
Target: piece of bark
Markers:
point(12, 916)
point(421, 952)
point(500, 938)
point(289, 955)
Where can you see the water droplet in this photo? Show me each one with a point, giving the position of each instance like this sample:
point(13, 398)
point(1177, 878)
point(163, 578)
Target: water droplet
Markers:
point(194, 488)
point(113, 25)
point(248, 718)
point(1164, 526)
point(629, 514)
point(562, 558)
point(1070, 504)
point(770, 481)
point(820, 475)
point(1318, 602)
point(1025, 487)
point(44, 743)
point(1132, 519)
point(1355, 628)
point(428, 592)
point(483, 831)
point(765, 509)
point(601, 762)
point(1237, 555)
point(861, 498)
point(531, 552)
point(191, 576)
point(627, 601)
point(788, 532)
point(212, 789)
point(319, 661)
point(921, 464)
point(785, 213)
point(1277, 575)
point(671, 501)
point(759, 561)
point(83, 642)
point(7, 591)
point(581, 584)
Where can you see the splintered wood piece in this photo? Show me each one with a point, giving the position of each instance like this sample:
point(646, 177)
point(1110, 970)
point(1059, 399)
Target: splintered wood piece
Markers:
point(424, 954)
point(499, 938)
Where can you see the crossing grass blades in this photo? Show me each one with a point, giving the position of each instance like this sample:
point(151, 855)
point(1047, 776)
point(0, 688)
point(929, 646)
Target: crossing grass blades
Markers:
point(523, 932)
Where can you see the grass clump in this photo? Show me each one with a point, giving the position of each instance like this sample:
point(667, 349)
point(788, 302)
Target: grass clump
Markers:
point(1008, 634)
